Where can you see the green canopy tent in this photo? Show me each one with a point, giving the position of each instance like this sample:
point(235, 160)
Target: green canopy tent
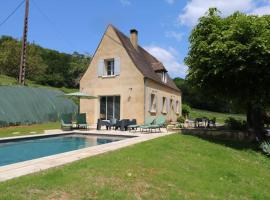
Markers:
point(79, 95)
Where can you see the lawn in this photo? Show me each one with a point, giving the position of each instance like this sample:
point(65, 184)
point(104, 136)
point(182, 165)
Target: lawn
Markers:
point(6, 80)
point(28, 129)
point(220, 117)
point(172, 167)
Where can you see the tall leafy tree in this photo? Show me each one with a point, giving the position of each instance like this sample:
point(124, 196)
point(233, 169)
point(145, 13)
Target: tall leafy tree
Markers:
point(230, 58)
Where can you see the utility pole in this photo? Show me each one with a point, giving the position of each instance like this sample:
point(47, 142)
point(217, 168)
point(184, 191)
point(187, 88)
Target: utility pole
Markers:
point(24, 44)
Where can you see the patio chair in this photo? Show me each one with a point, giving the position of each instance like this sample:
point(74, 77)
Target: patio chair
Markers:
point(113, 122)
point(101, 123)
point(66, 121)
point(81, 120)
point(159, 123)
point(148, 121)
point(122, 124)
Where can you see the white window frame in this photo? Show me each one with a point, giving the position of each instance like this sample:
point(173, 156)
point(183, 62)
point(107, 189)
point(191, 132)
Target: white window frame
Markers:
point(153, 107)
point(105, 73)
point(164, 77)
point(164, 105)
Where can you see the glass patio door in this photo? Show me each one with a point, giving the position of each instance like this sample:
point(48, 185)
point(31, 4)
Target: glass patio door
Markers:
point(110, 107)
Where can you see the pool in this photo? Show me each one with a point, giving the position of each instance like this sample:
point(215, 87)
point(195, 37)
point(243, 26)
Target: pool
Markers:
point(14, 150)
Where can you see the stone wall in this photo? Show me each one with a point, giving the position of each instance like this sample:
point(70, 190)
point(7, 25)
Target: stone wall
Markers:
point(219, 134)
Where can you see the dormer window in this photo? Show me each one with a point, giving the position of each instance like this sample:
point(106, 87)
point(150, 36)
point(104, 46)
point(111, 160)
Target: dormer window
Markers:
point(164, 77)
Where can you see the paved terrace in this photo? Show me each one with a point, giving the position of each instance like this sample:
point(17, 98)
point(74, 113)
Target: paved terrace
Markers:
point(22, 168)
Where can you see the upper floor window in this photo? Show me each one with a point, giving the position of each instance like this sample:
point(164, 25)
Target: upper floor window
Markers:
point(109, 67)
point(164, 77)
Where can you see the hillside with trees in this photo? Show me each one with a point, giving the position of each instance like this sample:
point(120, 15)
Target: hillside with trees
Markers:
point(44, 66)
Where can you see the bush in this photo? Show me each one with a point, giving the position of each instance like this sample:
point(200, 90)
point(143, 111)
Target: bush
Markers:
point(181, 119)
point(235, 124)
point(265, 147)
point(185, 110)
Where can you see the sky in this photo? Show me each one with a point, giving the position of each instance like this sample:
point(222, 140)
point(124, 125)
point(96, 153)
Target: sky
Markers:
point(77, 25)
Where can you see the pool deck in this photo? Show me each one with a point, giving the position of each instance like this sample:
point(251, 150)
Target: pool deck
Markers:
point(26, 167)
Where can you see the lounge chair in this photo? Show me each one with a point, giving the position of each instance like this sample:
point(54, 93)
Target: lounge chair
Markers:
point(66, 121)
point(81, 120)
point(133, 125)
point(148, 122)
point(159, 123)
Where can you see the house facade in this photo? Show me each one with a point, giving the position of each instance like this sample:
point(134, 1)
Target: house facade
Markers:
point(129, 82)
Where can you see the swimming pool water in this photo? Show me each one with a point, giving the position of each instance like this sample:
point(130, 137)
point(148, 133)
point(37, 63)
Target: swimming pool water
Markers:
point(17, 151)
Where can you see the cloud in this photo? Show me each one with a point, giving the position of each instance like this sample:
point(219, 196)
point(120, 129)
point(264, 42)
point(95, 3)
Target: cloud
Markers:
point(125, 2)
point(263, 10)
point(170, 1)
point(175, 35)
point(197, 8)
point(169, 59)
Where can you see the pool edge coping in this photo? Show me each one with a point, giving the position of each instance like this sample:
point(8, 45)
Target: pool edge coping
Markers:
point(35, 165)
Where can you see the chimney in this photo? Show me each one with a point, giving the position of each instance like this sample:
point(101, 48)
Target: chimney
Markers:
point(134, 38)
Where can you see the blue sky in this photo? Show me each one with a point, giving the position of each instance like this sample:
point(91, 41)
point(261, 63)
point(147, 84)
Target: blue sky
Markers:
point(77, 25)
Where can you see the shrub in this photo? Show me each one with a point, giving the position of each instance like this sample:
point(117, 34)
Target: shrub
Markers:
point(265, 147)
point(181, 119)
point(235, 124)
point(185, 110)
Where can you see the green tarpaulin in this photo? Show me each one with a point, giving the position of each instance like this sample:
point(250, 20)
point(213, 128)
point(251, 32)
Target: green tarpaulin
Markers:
point(26, 105)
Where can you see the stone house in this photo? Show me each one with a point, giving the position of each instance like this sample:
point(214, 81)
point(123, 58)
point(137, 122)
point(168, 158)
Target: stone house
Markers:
point(129, 82)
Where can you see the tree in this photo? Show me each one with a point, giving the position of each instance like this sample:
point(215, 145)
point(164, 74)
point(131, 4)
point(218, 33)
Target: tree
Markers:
point(230, 58)
point(197, 99)
point(44, 66)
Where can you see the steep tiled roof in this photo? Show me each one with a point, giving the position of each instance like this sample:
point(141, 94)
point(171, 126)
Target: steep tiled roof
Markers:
point(144, 61)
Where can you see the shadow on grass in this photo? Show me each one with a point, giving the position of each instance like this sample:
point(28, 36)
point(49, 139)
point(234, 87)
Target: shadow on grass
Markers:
point(239, 145)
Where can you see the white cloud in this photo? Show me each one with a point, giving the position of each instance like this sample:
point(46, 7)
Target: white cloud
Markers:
point(125, 2)
point(173, 34)
point(197, 8)
point(170, 1)
point(169, 59)
point(263, 10)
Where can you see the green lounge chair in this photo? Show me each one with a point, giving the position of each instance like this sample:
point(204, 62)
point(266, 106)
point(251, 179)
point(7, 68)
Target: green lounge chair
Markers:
point(66, 121)
point(148, 121)
point(159, 122)
point(81, 120)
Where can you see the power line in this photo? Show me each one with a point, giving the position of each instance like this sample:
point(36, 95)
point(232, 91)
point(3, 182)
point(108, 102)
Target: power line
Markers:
point(12, 13)
point(53, 25)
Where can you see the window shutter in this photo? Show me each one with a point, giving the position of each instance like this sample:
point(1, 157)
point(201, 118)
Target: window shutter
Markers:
point(117, 66)
point(150, 101)
point(174, 105)
point(167, 104)
point(156, 103)
point(161, 105)
point(100, 67)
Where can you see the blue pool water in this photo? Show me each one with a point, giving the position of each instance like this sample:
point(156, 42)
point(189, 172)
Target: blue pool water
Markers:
point(17, 151)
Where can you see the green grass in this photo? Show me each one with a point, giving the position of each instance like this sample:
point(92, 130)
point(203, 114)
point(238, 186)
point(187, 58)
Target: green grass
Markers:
point(172, 167)
point(6, 80)
point(220, 117)
point(28, 129)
